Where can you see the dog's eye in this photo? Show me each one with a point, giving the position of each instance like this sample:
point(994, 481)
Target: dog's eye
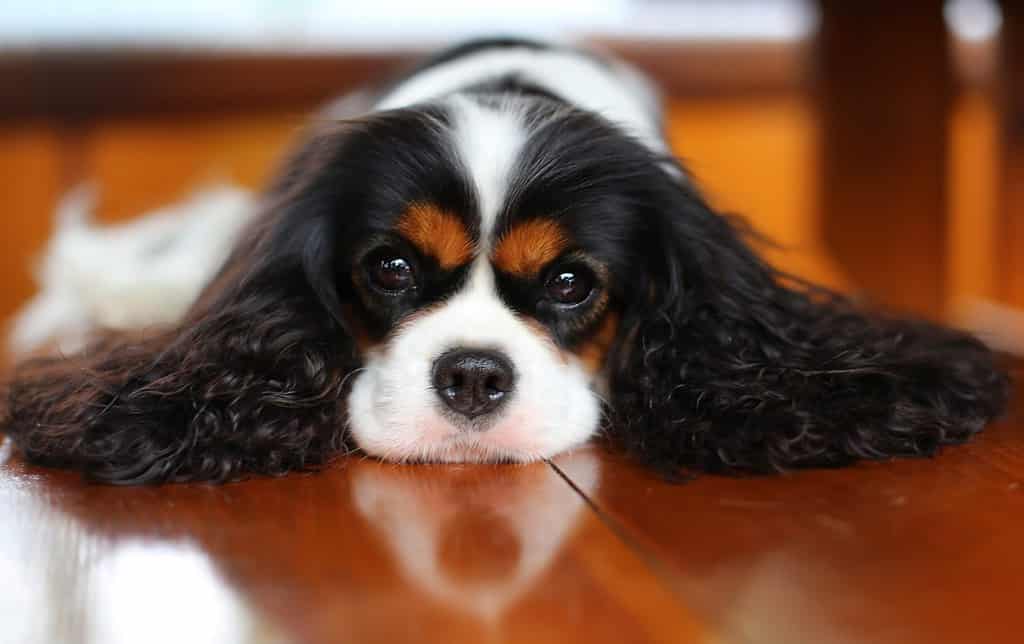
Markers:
point(570, 286)
point(390, 272)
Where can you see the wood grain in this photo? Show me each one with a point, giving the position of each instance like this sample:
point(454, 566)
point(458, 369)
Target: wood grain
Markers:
point(362, 552)
point(902, 552)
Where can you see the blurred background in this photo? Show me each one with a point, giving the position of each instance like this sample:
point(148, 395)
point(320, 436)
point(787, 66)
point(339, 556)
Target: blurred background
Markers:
point(881, 144)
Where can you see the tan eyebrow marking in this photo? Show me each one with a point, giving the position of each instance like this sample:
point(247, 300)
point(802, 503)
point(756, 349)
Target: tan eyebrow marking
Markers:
point(530, 246)
point(436, 233)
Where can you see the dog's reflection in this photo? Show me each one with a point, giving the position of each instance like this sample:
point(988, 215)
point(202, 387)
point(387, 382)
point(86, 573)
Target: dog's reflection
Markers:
point(475, 539)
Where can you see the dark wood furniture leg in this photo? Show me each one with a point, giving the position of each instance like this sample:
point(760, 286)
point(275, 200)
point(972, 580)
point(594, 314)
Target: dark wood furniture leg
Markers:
point(1011, 225)
point(884, 83)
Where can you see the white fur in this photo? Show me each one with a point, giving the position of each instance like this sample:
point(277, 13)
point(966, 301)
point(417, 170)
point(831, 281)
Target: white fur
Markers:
point(134, 275)
point(609, 88)
point(488, 141)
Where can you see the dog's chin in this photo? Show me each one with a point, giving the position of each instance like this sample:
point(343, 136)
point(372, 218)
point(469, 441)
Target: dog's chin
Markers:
point(462, 445)
point(462, 450)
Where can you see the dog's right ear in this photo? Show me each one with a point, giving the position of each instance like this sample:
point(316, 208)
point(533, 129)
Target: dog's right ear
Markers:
point(723, 364)
point(250, 382)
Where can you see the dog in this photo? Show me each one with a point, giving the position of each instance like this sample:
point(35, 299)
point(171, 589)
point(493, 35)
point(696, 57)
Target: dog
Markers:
point(499, 261)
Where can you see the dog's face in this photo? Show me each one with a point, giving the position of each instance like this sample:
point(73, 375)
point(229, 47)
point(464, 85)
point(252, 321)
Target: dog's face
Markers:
point(483, 252)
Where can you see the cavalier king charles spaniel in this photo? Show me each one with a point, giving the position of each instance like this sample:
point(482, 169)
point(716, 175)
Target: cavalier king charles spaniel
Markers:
point(498, 261)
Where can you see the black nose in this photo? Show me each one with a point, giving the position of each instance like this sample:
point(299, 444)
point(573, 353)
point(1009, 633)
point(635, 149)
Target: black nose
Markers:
point(473, 382)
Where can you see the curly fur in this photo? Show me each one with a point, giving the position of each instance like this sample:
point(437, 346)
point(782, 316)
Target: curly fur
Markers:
point(254, 387)
point(732, 366)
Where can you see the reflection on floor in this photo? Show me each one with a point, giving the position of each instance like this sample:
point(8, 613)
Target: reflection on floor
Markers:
point(361, 552)
point(477, 543)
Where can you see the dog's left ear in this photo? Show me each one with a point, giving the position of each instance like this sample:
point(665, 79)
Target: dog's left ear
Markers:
point(725, 364)
point(250, 382)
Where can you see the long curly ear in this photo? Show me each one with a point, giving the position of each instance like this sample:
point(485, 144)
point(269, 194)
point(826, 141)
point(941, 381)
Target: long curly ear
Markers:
point(250, 382)
point(724, 364)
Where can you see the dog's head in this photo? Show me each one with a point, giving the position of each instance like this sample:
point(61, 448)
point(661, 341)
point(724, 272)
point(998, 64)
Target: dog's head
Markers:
point(481, 256)
point(480, 279)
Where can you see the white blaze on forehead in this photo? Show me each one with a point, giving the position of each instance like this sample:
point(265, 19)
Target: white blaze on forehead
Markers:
point(488, 141)
point(607, 87)
point(480, 284)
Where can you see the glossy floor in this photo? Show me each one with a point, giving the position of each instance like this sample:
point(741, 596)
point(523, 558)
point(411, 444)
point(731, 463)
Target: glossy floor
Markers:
point(588, 548)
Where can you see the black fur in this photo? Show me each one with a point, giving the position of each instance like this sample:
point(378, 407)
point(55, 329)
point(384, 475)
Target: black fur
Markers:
point(514, 85)
point(720, 364)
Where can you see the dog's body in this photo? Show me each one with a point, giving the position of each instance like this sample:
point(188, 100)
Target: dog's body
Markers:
point(498, 252)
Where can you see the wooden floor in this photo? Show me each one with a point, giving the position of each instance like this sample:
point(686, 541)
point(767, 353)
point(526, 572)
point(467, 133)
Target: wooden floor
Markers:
point(588, 548)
